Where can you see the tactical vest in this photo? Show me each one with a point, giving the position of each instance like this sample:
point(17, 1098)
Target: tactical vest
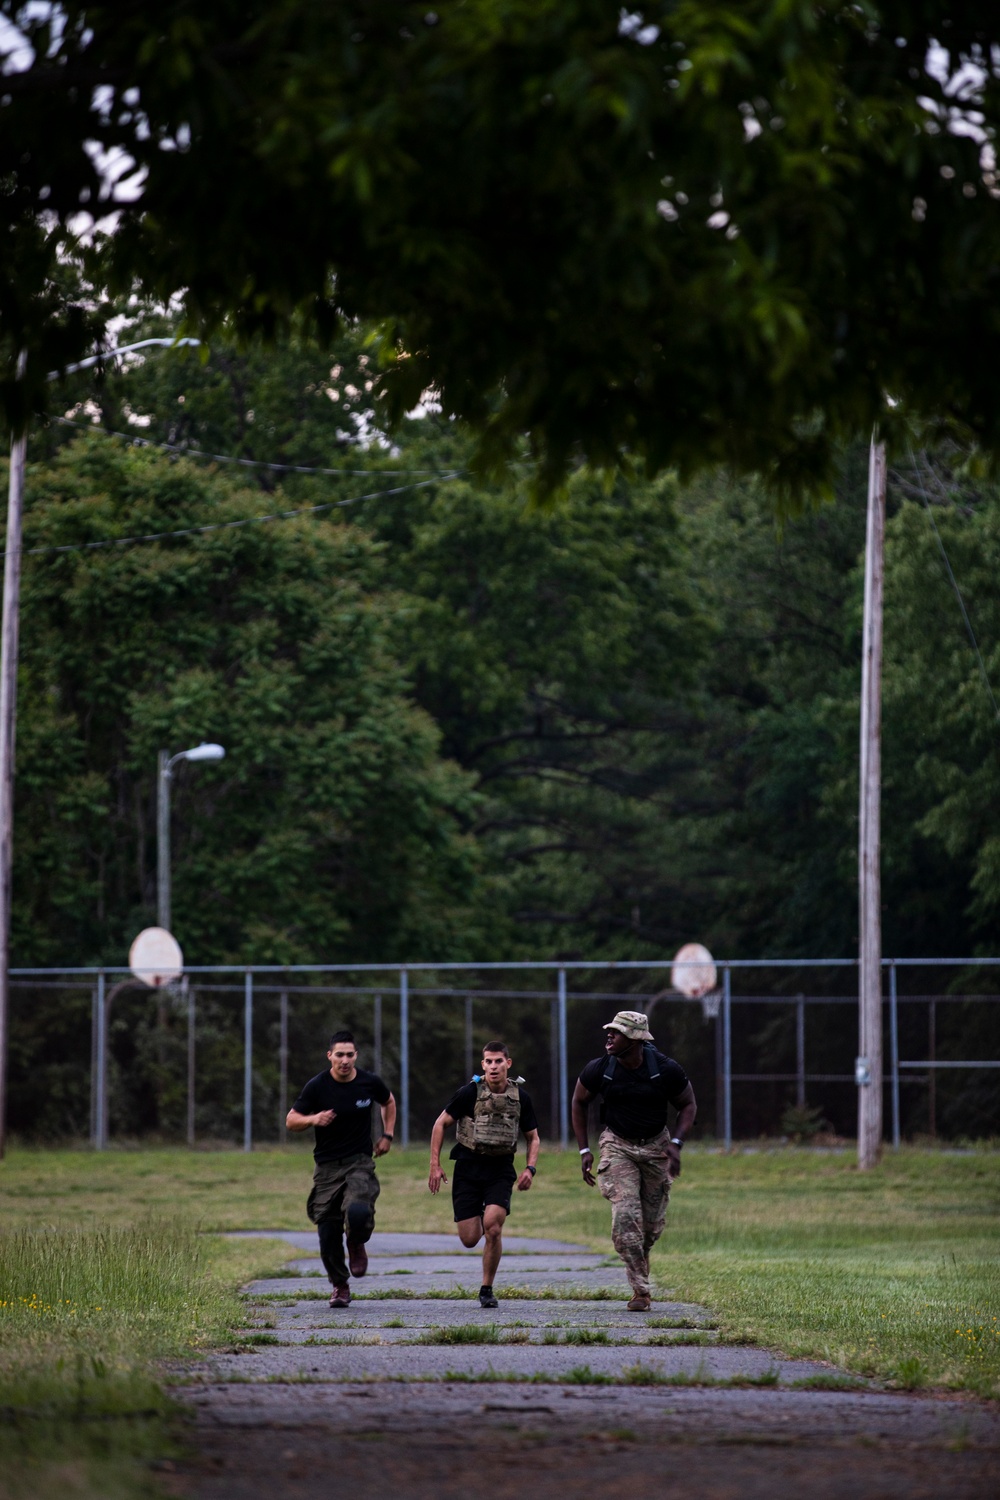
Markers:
point(493, 1128)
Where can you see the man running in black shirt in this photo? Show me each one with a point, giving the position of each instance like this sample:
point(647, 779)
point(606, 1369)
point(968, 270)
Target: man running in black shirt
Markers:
point(639, 1157)
point(338, 1105)
point(491, 1111)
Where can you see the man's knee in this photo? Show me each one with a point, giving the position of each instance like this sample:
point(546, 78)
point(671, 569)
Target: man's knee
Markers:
point(470, 1232)
point(626, 1221)
point(493, 1229)
point(360, 1221)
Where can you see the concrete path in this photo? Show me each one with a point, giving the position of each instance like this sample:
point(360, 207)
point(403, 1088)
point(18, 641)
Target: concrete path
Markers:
point(562, 1372)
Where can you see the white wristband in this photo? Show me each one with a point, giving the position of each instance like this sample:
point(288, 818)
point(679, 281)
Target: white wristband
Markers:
point(585, 1151)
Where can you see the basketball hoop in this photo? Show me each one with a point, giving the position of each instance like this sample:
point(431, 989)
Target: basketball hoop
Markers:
point(155, 957)
point(710, 1004)
point(693, 973)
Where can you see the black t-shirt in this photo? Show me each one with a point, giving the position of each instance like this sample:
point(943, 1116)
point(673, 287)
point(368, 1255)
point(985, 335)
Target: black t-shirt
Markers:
point(463, 1104)
point(632, 1104)
point(350, 1134)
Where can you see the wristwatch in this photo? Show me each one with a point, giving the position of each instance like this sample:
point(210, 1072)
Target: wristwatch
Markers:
point(532, 1170)
point(675, 1140)
point(385, 1136)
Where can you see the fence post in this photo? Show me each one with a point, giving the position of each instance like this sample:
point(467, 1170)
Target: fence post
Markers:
point(720, 1128)
point(563, 1066)
point(248, 1061)
point(190, 1060)
point(93, 1067)
point(101, 1121)
point(554, 1064)
point(282, 1064)
point(377, 1029)
point(894, 1054)
point(727, 1062)
point(800, 1052)
point(932, 1072)
point(404, 1057)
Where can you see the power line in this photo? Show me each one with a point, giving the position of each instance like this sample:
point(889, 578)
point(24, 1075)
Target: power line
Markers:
point(958, 592)
point(281, 515)
point(225, 458)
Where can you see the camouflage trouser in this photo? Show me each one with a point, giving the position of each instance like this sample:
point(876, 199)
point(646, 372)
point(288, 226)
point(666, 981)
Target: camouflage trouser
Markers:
point(636, 1182)
point(338, 1188)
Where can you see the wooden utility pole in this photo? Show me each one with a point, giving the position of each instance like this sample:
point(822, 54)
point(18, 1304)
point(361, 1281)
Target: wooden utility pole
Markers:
point(869, 1063)
point(8, 714)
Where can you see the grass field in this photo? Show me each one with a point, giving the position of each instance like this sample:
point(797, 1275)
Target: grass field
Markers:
point(108, 1266)
point(86, 1316)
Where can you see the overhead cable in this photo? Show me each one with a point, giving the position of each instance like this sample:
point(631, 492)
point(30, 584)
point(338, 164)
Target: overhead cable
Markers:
point(280, 515)
point(136, 441)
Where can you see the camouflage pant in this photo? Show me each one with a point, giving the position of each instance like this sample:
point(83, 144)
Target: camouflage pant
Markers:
point(338, 1188)
point(636, 1182)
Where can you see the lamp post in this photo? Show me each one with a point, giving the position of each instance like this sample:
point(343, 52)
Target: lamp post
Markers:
point(166, 771)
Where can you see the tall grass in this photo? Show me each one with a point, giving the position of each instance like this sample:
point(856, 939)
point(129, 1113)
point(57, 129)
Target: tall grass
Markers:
point(86, 1317)
point(83, 1313)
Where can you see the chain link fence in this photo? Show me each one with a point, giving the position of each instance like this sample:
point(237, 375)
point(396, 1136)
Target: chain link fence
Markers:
point(218, 1057)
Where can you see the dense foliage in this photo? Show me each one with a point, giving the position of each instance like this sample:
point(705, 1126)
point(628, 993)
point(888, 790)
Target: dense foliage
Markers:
point(461, 726)
point(690, 233)
point(333, 814)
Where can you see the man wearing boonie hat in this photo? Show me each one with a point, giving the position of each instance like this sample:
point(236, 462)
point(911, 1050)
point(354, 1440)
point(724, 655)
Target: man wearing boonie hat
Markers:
point(640, 1156)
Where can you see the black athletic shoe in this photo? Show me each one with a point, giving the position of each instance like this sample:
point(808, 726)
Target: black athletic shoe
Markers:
point(486, 1297)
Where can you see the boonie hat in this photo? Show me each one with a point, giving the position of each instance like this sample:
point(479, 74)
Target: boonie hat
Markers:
point(633, 1024)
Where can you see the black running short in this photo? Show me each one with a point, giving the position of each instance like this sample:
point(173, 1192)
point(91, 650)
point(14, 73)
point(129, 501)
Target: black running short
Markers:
point(475, 1184)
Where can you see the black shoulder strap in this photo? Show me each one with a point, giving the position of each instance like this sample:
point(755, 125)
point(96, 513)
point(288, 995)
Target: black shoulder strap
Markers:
point(648, 1052)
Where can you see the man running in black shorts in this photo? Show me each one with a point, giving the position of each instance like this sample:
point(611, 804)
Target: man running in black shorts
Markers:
point(491, 1112)
point(338, 1105)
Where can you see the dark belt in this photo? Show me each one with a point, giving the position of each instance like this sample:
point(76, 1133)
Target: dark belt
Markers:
point(338, 1161)
point(639, 1140)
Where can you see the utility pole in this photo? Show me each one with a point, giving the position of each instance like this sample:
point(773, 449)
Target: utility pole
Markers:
point(163, 840)
point(8, 712)
point(868, 1069)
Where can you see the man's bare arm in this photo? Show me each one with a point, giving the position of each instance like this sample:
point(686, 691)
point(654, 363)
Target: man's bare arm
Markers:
point(435, 1176)
point(388, 1125)
point(295, 1121)
point(578, 1109)
point(687, 1112)
point(533, 1141)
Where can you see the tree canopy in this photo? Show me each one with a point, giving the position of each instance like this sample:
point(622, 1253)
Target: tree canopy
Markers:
point(334, 813)
point(690, 233)
point(462, 726)
point(651, 695)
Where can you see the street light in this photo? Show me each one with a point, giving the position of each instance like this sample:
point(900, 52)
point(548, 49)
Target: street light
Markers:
point(166, 771)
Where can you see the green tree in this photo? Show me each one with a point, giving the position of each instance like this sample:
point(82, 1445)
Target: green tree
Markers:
point(332, 829)
point(941, 719)
point(559, 652)
point(698, 232)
